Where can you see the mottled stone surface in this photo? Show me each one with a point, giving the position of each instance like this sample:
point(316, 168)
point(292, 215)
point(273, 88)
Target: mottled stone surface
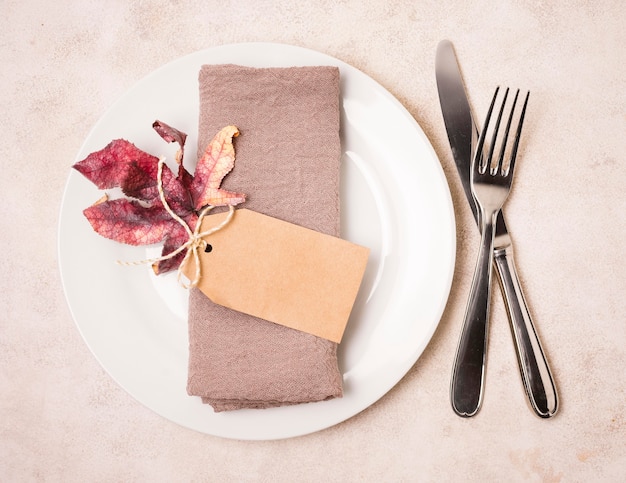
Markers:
point(64, 63)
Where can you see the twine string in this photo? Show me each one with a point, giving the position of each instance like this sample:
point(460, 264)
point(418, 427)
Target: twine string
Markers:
point(196, 238)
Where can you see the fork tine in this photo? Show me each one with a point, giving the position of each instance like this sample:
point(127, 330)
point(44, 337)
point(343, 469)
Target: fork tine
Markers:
point(506, 135)
point(478, 164)
point(517, 136)
point(495, 136)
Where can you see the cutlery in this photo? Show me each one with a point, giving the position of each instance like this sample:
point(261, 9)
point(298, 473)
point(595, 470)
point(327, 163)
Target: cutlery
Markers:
point(462, 133)
point(490, 186)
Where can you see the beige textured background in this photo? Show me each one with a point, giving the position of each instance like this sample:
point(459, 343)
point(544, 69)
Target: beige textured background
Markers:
point(64, 63)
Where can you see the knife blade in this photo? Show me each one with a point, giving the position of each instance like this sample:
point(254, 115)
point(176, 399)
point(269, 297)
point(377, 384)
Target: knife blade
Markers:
point(462, 133)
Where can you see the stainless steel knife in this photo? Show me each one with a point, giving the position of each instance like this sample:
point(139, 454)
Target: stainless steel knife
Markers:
point(462, 134)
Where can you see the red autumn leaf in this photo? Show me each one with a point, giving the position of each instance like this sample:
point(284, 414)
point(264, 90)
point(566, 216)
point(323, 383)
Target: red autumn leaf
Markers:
point(217, 161)
point(109, 167)
point(140, 180)
point(144, 219)
point(128, 221)
point(171, 135)
point(121, 164)
point(177, 237)
point(186, 180)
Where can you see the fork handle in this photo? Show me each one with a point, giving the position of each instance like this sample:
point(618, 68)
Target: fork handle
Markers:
point(468, 373)
point(536, 375)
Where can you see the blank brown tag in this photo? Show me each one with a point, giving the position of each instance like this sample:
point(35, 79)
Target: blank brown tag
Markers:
point(281, 272)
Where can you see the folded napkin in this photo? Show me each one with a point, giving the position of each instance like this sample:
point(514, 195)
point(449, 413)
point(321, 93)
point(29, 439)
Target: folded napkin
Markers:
point(287, 163)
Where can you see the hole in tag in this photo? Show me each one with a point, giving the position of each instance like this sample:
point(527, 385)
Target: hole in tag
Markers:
point(208, 248)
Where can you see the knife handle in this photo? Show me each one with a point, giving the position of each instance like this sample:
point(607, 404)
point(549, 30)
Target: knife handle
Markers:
point(536, 375)
point(468, 373)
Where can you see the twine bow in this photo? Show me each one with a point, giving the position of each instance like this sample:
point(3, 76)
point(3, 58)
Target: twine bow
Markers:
point(196, 238)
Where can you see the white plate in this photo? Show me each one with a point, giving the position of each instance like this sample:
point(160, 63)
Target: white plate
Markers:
point(395, 200)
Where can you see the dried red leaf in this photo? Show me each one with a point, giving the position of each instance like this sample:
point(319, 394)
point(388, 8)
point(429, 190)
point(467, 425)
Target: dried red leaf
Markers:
point(144, 220)
point(170, 134)
point(141, 180)
point(175, 238)
point(186, 179)
point(128, 221)
point(109, 167)
point(216, 162)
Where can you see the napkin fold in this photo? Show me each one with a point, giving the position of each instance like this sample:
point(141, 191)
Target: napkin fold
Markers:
point(287, 163)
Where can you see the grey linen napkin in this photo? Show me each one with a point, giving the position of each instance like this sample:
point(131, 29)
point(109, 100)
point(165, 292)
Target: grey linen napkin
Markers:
point(287, 163)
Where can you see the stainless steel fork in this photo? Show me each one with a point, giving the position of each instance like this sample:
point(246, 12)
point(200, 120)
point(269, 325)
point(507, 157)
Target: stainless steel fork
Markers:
point(491, 183)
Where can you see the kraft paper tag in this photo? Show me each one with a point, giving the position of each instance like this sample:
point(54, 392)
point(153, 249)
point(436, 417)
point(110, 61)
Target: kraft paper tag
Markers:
point(281, 272)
